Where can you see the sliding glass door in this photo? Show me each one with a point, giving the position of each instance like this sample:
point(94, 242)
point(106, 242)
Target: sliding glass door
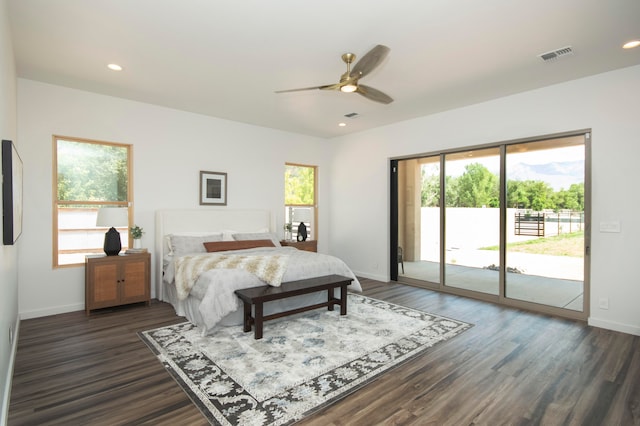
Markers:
point(546, 222)
point(419, 219)
point(472, 220)
point(506, 223)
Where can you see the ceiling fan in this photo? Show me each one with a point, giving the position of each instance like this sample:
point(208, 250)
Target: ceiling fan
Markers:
point(349, 81)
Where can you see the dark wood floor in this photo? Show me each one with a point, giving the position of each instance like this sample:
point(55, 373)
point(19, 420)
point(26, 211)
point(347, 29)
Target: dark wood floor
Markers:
point(511, 368)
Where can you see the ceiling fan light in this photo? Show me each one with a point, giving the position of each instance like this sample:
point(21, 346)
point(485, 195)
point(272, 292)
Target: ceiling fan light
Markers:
point(349, 88)
point(631, 44)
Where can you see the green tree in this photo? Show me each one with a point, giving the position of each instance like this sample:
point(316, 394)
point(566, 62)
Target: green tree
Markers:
point(430, 194)
point(478, 187)
point(517, 195)
point(451, 193)
point(299, 185)
point(571, 199)
point(91, 172)
point(531, 194)
point(540, 195)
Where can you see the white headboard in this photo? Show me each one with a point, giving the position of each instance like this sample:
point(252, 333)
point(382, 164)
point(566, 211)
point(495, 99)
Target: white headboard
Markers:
point(202, 220)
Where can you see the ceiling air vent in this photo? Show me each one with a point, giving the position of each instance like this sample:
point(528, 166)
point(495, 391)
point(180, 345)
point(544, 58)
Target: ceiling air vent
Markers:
point(555, 54)
point(351, 115)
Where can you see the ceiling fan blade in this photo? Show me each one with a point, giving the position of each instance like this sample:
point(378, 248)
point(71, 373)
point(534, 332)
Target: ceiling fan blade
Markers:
point(325, 87)
point(299, 90)
point(331, 86)
point(370, 61)
point(374, 94)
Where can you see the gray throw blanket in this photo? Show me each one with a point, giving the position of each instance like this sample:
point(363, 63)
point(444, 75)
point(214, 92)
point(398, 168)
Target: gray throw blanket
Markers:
point(269, 268)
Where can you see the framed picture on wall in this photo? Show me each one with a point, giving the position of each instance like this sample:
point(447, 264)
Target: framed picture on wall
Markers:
point(11, 193)
point(213, 188)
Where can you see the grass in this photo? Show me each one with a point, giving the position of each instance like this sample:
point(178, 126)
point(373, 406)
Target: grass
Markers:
point(571, 245)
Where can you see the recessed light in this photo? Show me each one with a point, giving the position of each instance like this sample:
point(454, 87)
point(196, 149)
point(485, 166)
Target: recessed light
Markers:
point(631, 44)
point(114, 67)
point(342, 124)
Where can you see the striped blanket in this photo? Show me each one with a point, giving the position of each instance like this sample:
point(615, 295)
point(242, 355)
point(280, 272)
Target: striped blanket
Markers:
point(269, 268)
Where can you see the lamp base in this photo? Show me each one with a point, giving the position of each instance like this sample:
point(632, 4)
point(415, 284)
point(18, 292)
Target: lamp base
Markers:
point(112, 243)
point(302, 232)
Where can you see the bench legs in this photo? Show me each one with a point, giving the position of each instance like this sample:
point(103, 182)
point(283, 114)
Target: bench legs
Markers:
point(258, 320)
point(343, 299)
point(246, 315)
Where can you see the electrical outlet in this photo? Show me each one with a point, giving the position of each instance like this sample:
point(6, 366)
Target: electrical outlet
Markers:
point(610, 226)
point(604, 303)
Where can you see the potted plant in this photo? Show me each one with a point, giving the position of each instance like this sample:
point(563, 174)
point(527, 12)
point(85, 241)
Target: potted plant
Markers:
point(288, 227)
point(136, 233)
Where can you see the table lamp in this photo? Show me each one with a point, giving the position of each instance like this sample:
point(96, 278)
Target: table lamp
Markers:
point(302, 215)
point(112, 217)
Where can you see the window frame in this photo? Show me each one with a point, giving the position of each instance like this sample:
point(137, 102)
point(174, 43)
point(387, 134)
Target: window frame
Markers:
point(128, 203)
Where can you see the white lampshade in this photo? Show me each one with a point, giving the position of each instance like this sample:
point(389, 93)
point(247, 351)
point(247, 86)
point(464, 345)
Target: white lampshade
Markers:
point(112, 217)
point(301, 214)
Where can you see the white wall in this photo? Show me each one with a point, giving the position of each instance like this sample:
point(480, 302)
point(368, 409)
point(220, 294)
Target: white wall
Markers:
point(170, 148)
point(8, 254)
point(607, 103)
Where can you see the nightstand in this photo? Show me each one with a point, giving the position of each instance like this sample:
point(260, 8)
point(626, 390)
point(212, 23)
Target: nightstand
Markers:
point(309, 245)
point(117, 280)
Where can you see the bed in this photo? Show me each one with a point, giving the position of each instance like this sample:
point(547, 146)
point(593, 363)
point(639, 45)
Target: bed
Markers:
point(244, 252)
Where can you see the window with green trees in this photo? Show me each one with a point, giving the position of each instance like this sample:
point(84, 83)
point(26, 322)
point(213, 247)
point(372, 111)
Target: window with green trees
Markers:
point(478, 187)
point(88, 175)
point(300, 197)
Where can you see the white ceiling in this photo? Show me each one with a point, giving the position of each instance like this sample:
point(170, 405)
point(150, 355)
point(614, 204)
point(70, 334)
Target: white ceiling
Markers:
point(226, 58)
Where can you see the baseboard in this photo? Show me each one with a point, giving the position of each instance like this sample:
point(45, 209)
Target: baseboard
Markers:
point(6, 400)
point(382, 278)
point(615, 326)
point(37, 313)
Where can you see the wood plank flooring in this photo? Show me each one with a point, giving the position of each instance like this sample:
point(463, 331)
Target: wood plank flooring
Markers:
point(512, 368)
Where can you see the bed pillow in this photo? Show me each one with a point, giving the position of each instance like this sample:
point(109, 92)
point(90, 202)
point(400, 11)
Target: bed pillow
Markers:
point(243, 236)
point(228, 234)
point(214, 246)
point(188, 244)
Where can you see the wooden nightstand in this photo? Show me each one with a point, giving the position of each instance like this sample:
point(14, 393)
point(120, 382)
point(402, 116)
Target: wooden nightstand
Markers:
point(309, 245)
point(117, 280)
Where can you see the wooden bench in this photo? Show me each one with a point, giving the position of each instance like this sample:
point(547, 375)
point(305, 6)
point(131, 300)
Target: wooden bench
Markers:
point(257, 296)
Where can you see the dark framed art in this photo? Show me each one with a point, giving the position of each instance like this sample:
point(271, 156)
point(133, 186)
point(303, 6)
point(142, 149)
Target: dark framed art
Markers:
point(213, 188)
point(11, 193)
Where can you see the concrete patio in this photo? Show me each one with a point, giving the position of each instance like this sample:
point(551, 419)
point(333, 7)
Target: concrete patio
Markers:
point(550, 280)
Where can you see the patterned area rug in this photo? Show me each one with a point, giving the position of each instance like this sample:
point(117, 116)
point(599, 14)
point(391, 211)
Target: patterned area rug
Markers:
point(303, 363)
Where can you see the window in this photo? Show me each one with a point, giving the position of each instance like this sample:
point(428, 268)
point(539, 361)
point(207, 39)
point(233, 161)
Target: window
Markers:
point(300, 190)
point(88, 175)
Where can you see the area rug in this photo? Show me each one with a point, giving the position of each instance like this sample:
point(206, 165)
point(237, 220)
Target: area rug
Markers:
point(303, 362)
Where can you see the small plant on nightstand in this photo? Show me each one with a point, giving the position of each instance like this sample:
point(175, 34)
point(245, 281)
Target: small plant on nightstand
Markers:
point(288, 227)
point(136, 232)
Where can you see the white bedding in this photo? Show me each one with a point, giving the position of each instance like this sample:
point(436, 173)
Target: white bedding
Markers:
point(213, 292)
